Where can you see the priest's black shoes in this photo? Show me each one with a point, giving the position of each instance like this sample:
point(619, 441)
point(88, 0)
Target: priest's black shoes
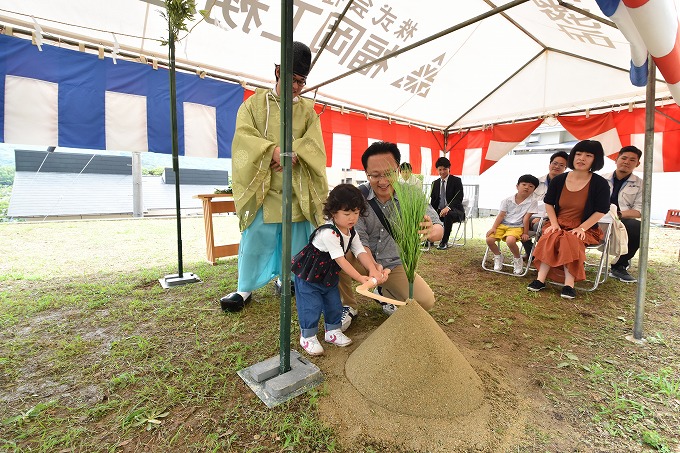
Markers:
point(234, 302)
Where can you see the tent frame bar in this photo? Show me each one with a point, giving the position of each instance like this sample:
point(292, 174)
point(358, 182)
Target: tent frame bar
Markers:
point(330, 33)
point(521, 68)
point(430, 38)
point(74, 39)
point(547, 49)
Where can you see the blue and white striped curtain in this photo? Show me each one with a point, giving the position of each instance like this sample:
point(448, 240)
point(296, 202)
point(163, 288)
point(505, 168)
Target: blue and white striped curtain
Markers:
point(63, 97)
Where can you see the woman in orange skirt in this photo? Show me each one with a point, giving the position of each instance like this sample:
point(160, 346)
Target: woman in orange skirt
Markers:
point(575, 202)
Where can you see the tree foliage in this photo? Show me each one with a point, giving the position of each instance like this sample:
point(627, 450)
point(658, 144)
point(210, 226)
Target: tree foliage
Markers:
point(6, 175)
point(157, 171)
point(177, 13)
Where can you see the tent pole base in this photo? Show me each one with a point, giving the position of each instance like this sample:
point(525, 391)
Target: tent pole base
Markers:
point(173, 280)
point(274, 388)
point(640, 342)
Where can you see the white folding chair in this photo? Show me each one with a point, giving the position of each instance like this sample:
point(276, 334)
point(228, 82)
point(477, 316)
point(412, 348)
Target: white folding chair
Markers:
point(460, 237)
point(597, 260)
point(508, 268)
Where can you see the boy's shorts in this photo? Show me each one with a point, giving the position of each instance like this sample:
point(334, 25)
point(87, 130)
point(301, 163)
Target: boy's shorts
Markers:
point(503, 231)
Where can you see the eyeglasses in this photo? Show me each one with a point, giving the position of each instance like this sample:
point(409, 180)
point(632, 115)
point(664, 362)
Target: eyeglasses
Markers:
point(557, 165)
point(301, 82)
point(377, 177)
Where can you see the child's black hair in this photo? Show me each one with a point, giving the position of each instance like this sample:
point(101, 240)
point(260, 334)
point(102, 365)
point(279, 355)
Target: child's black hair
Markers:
point(344, 197)
point(531, 179)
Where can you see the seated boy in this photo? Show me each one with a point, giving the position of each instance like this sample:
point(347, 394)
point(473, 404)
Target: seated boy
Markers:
point(512, 223)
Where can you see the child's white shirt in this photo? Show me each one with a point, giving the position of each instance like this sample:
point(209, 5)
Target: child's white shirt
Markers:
point(327, 240)
point(514, 213)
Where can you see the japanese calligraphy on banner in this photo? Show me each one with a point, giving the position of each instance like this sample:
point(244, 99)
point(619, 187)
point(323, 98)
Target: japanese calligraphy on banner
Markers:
point(574, 25)
point(368, 31)
point(248, 14)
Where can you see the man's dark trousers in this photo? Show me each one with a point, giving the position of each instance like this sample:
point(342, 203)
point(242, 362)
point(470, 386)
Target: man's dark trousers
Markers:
point(453, 216)
point(633, 230)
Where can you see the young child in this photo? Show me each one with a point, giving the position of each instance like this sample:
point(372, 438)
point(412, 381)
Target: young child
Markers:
point(316, 268)
point(512, 223)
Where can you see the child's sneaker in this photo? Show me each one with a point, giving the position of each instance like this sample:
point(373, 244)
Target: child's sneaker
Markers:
point(517, 265)
point(338, 338)
point(348, 314)
point(312, 345)
point(388, 309)
point(498, 262)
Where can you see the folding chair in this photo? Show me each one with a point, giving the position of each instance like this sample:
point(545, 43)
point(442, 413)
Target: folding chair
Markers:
point(460, 237)
point(488, 256)
point(425, 246)
point(597, 260)
point(457, 238)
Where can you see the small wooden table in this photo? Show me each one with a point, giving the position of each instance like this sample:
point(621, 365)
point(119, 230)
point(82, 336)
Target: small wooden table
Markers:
point(216, 203)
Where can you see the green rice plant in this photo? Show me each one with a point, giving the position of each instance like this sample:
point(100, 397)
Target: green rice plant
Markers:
point(405, 225)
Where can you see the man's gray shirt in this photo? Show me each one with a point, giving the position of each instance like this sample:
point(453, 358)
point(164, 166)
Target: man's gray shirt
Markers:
point(374, 235)
point(630, 194)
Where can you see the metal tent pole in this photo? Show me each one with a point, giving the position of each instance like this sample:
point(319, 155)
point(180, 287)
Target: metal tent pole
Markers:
point(286, 140)
point(281, 378)
point(646, 202)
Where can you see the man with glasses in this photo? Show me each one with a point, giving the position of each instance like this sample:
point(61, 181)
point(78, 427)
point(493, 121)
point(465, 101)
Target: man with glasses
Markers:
point(557, 166)
point(258, 180)
point(381, 162)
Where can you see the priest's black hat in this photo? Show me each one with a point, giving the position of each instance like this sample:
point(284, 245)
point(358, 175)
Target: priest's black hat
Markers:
point(302, 59)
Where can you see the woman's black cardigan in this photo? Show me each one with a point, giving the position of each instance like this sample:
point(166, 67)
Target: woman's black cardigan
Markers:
point(598, 195)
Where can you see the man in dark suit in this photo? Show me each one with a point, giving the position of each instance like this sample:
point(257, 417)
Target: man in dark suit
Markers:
point(447, 199)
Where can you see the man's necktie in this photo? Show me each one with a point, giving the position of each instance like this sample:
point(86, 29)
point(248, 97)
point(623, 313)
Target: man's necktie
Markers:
point(442, 194)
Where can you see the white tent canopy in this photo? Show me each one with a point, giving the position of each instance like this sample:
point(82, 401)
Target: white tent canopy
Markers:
point(536, 58)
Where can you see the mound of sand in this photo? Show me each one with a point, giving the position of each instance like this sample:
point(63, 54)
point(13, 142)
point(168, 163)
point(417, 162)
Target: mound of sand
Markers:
point(425, 373)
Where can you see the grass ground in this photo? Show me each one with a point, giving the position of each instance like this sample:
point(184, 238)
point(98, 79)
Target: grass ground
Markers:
point(96, 356)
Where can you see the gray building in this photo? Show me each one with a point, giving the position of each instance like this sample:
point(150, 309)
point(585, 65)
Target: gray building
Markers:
point(81, 185)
